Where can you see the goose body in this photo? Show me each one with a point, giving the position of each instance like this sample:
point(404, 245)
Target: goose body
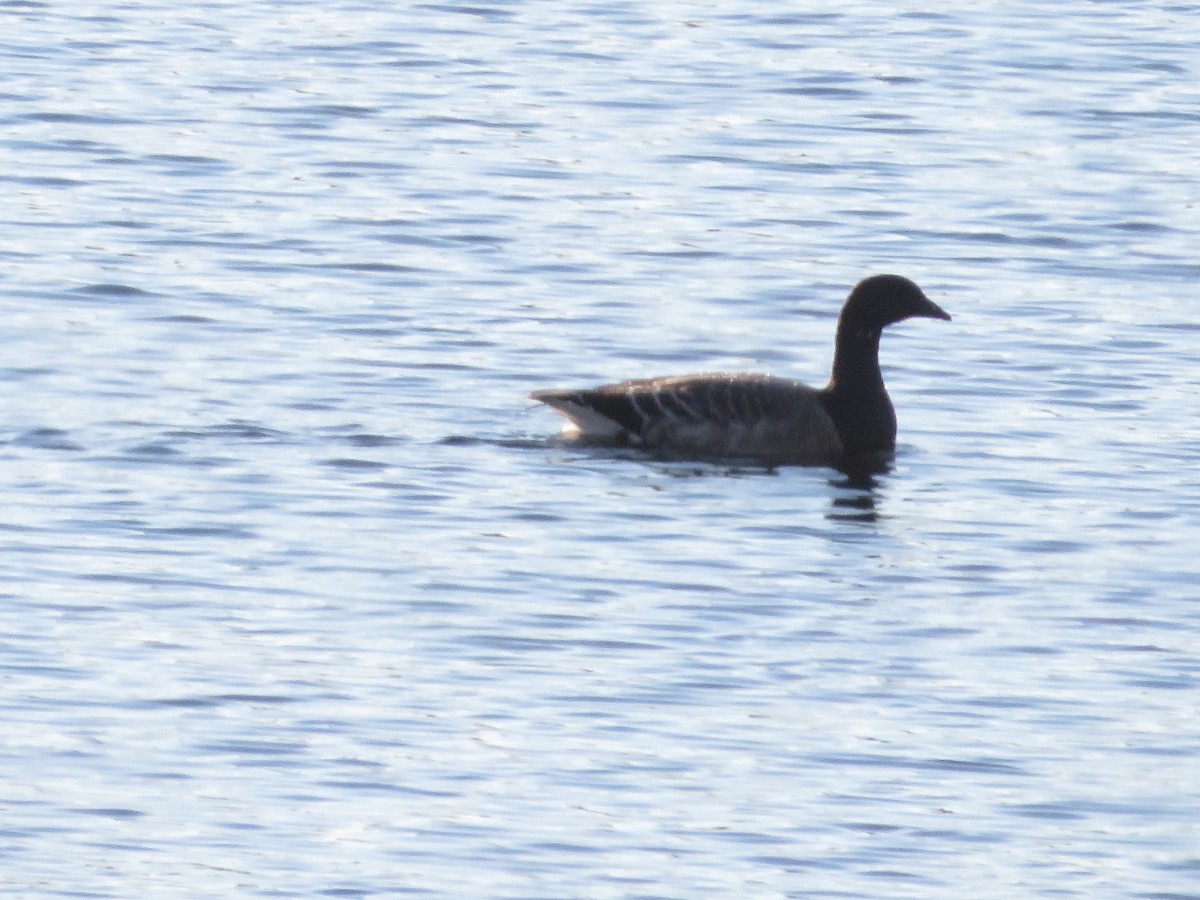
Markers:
point(777, 421)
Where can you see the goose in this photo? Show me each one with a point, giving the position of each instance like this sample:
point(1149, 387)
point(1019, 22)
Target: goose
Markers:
point(762, 418)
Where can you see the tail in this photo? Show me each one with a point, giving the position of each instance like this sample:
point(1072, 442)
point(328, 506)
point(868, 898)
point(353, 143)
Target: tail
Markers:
point(583, 420)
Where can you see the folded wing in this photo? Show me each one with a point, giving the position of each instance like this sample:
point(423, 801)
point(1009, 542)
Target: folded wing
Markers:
point(756, 417)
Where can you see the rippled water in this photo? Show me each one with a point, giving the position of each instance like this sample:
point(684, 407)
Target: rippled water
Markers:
point(299, 596)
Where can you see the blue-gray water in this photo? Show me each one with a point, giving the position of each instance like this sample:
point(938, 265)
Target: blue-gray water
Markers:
point(298, 597)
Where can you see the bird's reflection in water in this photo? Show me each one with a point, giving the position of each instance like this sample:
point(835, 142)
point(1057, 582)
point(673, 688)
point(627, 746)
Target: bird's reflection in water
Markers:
point(857, 487)
point(856, 499)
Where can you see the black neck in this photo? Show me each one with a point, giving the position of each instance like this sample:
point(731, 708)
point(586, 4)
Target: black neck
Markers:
point(856, 398)
point(856, 359)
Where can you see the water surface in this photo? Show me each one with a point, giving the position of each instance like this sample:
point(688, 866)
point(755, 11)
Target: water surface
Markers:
point(299, 597)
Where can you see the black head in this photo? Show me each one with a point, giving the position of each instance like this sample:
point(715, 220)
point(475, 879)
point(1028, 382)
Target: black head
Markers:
point(882, 300)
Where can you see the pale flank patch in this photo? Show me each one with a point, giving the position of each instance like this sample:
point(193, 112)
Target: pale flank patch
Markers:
point(583, 421)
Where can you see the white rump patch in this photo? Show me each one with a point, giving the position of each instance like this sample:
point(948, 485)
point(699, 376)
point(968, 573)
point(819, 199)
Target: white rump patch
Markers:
point(583, 421)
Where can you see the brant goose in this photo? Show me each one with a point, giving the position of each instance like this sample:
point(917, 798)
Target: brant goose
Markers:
point(846, 424)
